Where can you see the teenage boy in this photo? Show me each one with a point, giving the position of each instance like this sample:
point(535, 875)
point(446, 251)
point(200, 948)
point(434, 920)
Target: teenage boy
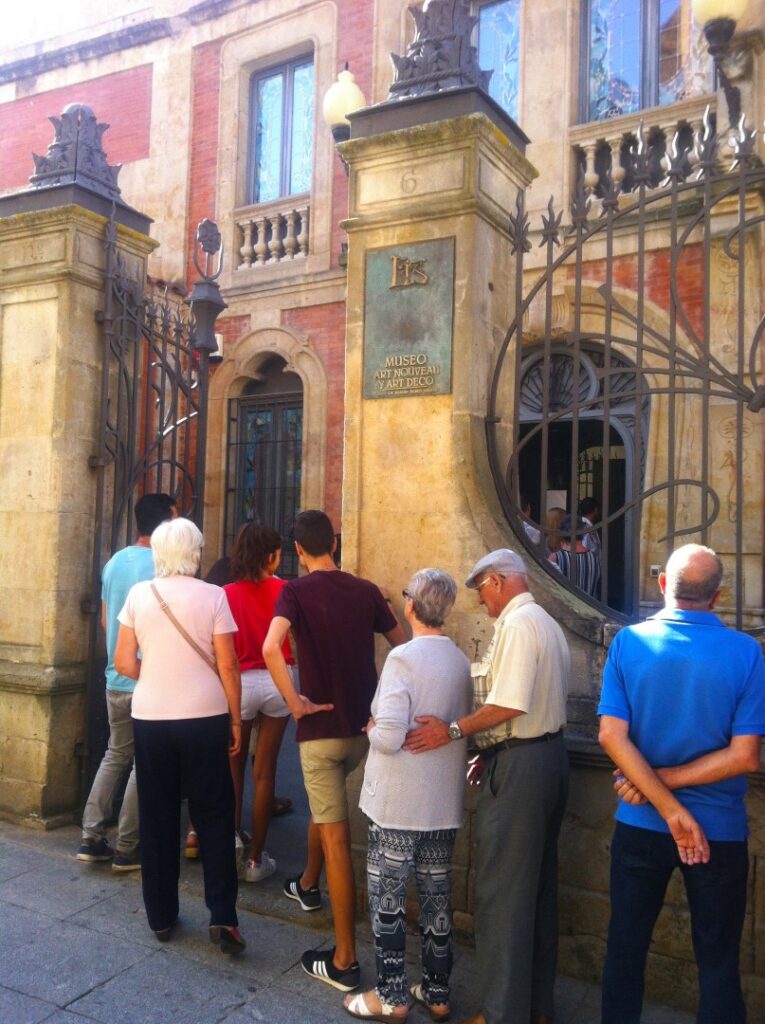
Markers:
point(334, 617)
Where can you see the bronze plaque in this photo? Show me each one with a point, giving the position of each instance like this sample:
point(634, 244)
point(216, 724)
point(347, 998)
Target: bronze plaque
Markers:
point(408, 320)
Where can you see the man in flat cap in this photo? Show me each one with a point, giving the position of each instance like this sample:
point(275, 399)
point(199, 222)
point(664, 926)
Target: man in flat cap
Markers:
point(520, 690)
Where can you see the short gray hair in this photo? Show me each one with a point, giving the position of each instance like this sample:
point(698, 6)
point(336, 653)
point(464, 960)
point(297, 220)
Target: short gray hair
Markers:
point(177, 548)
point(694, 574)
point(433, 593)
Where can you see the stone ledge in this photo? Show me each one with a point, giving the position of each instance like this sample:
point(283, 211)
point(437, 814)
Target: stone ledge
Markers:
point(41, 680)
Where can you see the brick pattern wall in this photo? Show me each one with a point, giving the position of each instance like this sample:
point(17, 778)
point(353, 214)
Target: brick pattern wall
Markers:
point(122, 100)
point(203, 167)
point(325, 326)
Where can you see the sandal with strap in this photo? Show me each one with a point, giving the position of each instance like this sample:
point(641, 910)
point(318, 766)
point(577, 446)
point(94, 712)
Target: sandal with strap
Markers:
point(436, 1014)
point(357, 1007)
point(191, 849)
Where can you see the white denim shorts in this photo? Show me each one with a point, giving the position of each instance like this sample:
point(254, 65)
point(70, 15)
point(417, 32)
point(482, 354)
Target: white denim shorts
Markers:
point(259, 693)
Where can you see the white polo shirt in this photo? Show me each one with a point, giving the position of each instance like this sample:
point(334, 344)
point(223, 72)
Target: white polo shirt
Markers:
point(526, 667)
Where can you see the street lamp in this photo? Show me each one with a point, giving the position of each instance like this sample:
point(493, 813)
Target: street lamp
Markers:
point(719, 19)
point(342, 98)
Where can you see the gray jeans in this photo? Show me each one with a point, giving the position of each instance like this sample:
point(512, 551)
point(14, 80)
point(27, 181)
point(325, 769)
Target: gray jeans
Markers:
point(519, 814)
point(117, 761)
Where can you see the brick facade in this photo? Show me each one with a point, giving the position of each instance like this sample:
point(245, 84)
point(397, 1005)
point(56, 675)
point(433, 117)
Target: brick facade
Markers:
point(122, 100)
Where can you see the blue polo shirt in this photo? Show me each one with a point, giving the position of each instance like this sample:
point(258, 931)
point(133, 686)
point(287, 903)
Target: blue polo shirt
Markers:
point(130, 566)
point(687, 683)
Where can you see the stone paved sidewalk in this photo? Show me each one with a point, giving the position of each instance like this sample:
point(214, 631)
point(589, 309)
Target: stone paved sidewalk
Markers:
point(75, 947)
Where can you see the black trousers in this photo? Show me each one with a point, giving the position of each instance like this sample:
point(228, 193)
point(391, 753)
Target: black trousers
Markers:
point(173, 759)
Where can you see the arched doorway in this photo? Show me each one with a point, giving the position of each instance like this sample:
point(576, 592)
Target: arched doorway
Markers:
point(264, 456)
point(563, 459)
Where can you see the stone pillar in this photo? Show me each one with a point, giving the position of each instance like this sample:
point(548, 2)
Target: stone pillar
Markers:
point(417, 489)
point(51, 287)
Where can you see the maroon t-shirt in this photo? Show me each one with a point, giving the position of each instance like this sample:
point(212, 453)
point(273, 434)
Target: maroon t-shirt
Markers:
point(334, 617)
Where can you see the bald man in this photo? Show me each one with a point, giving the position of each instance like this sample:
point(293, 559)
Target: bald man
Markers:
point(682, 716)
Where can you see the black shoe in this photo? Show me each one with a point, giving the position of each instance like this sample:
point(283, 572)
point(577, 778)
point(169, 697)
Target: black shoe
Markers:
point(318, 963)
point(127, 861)
point(92, 850)
point(309, 899)
point(229, 939)
point(165, 934)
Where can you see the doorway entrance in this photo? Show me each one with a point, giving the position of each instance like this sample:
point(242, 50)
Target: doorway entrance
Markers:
point(264, 457)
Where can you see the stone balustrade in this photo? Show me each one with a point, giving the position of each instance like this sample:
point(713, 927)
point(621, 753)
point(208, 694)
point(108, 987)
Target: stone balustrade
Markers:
point(272, 233)
point(610, 147)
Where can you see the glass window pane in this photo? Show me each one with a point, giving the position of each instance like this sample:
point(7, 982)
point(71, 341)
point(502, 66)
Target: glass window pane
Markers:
point(302, 129)
point(498, 37)
point(685, 67)
point(615, 48)
point(268, 138)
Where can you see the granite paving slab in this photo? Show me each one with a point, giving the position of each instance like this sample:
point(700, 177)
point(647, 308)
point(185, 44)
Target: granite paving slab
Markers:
point(60, 888)
point(22, 1009)
point(66, 961)
point(20, 927)
point(165, 989)
point(15, 860)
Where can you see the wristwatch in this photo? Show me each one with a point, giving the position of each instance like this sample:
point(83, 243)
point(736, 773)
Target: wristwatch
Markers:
point(455, 733)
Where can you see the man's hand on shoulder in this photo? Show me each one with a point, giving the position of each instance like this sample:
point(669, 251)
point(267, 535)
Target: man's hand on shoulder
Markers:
point(431, 734)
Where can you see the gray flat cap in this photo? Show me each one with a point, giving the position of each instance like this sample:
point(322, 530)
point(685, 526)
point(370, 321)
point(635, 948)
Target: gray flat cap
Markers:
point(503, 561)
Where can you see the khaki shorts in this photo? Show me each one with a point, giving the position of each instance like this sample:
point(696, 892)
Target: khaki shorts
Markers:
point(326, 765)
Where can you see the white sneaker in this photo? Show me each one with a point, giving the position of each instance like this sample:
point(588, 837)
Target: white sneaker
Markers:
point(257, 872)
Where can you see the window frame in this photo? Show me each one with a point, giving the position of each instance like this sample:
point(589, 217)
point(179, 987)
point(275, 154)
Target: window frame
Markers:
point(288, 69)
point(649, 62)
point(476, 12)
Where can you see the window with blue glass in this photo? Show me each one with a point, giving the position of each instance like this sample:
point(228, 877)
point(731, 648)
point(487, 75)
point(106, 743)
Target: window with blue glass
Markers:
point(282, 104)
point(640, 53)
point(499, 50)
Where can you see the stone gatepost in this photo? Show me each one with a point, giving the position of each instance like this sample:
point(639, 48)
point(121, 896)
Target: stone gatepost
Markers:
point(52, 261)
point(433, 178)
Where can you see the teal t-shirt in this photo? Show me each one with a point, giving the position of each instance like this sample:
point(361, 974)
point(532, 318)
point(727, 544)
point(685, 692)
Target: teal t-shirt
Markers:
point(129, 566)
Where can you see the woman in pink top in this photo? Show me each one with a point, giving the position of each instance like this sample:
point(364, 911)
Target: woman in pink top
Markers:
point(186, 721)
point(252, 597)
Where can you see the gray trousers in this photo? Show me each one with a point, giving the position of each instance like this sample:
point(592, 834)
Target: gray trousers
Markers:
point(116, 763)
point(520, 810)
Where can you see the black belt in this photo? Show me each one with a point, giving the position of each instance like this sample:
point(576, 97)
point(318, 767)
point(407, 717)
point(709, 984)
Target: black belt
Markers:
point(518, 741)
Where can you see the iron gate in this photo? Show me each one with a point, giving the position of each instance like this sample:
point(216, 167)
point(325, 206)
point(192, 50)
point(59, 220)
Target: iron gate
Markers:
point(645, 378)
point(153, 421)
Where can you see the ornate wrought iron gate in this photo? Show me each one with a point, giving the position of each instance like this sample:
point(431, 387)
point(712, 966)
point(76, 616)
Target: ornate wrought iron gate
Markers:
point(153, 420)
point(634, 368)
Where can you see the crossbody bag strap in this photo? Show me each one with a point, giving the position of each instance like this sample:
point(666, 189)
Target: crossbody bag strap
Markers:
point(186, 636)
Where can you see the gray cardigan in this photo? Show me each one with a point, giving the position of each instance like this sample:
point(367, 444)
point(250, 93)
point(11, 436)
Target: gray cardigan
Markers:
point(424, 792)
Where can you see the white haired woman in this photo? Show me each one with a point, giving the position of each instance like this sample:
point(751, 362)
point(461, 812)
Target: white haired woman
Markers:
point(415, 804)
point(186, 722)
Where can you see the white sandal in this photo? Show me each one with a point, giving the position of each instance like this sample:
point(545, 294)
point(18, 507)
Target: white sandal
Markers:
point(436, 1014)
point(357, 1007)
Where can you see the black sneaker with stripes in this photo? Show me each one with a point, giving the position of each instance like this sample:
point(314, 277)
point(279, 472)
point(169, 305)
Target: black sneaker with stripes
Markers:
point(318, 963)
point(309, 899)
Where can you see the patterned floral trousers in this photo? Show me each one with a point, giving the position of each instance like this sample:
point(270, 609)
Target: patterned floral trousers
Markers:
point(391, 854)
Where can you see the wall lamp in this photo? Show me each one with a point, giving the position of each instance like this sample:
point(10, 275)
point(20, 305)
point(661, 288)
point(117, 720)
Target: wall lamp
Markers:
point(342, 98)
point(719, 19)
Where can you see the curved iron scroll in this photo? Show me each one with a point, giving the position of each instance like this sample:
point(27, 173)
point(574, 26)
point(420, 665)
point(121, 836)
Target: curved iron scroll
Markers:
point(658, 288)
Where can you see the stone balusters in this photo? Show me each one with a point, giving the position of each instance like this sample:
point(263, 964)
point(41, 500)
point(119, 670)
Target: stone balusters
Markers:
point(272, 236)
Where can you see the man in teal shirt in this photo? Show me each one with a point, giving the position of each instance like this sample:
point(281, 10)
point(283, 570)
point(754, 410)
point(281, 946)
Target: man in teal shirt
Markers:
point(129, 566)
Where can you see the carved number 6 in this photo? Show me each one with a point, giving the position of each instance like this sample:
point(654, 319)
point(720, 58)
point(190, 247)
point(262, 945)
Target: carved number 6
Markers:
point(408, 183)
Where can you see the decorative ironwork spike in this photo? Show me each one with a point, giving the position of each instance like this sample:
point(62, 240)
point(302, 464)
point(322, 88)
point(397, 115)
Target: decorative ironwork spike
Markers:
point(580, 204)
point(519, 227)
point(611, 193)
point(551, 225)
point(744, 145)
point(706, 146)
point(642, 173)
point(208, 239)
point(674, 162)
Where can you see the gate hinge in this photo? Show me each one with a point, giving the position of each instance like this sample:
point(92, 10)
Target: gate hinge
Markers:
point(88, 606)
point(99, 316)
point(98, 461)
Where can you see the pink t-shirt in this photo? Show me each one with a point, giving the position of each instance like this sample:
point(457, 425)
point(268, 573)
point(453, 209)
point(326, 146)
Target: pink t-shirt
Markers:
point(175, 682)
